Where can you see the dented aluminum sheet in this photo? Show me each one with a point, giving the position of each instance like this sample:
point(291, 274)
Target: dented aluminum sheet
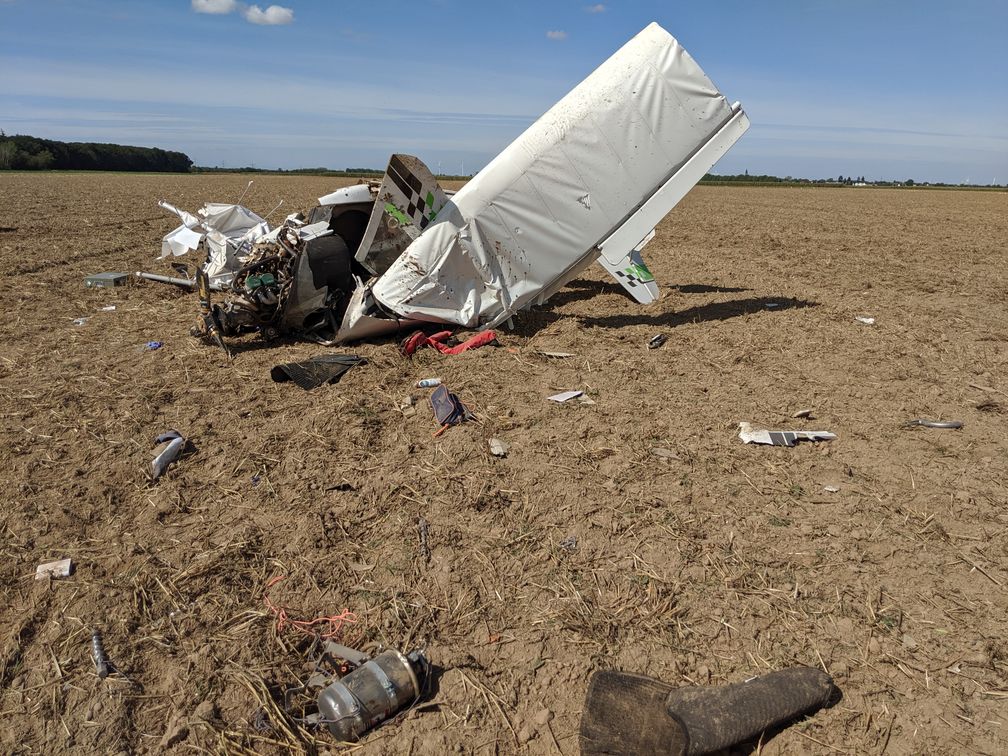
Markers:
point(593, 176)
point(227, 230)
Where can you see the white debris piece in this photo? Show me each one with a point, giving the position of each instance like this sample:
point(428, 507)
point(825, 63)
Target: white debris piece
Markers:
point(780, 437)
point(226, 228)
point(497, 447)
point(564, 396)
point(57, 569)
point(866, 321)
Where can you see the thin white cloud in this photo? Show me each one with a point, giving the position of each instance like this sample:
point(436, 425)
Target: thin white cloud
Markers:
point(275, 15)
point(215, 7)
point(556, 35)
point(597, 8)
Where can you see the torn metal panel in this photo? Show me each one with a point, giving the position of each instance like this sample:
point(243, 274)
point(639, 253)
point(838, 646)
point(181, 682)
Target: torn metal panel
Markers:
point(363, 320)
point(615, 151)
point(409, 199)
point(228, 231)
point(347, 195)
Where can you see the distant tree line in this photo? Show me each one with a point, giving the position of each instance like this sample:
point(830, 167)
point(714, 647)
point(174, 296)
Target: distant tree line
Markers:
point(34, 154)
point(764, 180)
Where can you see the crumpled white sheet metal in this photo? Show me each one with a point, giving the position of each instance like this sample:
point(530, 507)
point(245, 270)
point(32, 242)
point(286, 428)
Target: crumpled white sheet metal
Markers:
point(535, 216)
point(226, 228)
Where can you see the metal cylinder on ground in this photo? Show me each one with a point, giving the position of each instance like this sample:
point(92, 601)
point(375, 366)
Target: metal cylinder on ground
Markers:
point(372, 693)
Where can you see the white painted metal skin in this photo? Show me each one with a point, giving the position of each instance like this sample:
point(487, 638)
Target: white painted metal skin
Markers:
point(592, 176)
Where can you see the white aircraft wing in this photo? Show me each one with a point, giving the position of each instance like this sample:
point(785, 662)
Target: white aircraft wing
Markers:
point(592, 177)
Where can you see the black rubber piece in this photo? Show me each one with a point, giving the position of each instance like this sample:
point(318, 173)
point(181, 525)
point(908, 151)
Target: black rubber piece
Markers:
point(633, 714)
point(626, 714)
point(328, 368)
point(721, 716)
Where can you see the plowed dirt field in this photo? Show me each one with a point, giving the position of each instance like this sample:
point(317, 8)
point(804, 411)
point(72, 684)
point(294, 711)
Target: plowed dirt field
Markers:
point(634, 532)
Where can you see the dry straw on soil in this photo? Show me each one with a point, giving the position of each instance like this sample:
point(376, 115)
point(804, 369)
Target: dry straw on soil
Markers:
point(707, 562)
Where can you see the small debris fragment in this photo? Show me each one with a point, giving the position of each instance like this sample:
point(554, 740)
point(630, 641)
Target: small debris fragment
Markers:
point(58, 569)
point(866, 321)
point(945, 424)
point(585, 399)
point(152, 345)
point(569, 543)
point(408, 406)
point(557, 355)
point(780, 438)
point(448, 409)
point(498, 448)
point(803, 413)
point(564, 396)
point(656, 341)
point(429, 383)
point(80, 321)
point(169, 454)
point(101, 661)
point(107, 308)
point(105, 280)
point(772, 305)
point(830, 489)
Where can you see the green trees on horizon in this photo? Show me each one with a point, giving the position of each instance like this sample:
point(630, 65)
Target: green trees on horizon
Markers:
point(21, 152)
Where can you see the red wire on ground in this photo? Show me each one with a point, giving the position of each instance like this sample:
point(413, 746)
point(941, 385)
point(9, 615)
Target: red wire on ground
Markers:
point(283, 621)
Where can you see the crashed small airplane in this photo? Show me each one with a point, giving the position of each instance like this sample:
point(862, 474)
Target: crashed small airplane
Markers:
point(588, 181)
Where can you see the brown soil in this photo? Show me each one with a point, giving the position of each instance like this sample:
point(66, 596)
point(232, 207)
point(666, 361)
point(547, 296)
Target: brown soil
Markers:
point(707, 563)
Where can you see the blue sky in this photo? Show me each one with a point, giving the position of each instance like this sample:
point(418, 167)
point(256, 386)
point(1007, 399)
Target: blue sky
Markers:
point(885, 89)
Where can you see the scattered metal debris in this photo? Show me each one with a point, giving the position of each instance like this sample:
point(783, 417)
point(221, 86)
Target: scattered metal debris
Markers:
point(57, 569)
point(656, 341)
point(780, 438)
point(569, 543)
point(429, 383)
point(556, 355)
point(943, 424)
point(831, 489)
point(806, 413)
point(866, 321)
point(80, 321)
point(153, 345)
point(102, 666)
point(171, 452)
